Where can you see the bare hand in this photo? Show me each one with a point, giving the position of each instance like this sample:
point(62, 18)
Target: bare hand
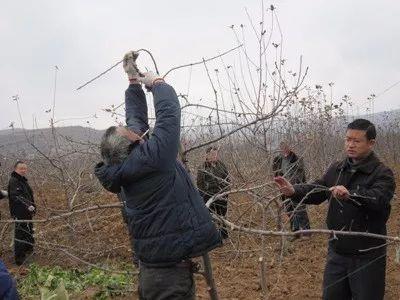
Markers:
point(285, 186)
point(129, 134)
point(340, 192)
point(31, 208)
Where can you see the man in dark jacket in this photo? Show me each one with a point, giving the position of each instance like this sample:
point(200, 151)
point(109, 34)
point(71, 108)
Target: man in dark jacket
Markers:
point(359, 190)
point(290, 166)
point(213, 179)
point(167, 218)
point(22, 207)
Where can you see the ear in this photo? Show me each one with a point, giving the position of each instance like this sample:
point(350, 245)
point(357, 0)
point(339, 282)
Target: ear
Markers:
point(371, 143)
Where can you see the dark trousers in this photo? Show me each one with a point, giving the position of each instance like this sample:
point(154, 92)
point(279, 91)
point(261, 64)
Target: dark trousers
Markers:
point(23, 241)
point(357, 278)
point(174, 282)
point(220, 207)
point(298, 217)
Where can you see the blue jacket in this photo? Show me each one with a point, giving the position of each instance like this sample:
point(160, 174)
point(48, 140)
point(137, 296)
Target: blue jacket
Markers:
point(167, 216)
point(8, 290)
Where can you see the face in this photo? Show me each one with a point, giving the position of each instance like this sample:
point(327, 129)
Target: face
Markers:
point(212, 156)
point(21, 169)
point(285, 149)
point(357, 145)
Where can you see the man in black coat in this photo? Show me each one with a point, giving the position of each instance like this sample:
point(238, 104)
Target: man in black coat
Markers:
point(167, 218)
point(359, 190)
point(22, 207)
point(213, 179)
point(290, 166)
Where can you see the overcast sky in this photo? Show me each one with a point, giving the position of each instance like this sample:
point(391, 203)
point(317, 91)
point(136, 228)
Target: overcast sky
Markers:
point(355, 44)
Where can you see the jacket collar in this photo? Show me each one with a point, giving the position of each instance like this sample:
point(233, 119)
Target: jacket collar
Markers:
point(292, 157)
point(367, 165)
point(19, 177)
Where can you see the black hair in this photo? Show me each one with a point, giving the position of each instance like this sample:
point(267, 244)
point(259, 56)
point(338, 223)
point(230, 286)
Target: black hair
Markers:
point(114, 148)
point(365, 125)
point(18, 162)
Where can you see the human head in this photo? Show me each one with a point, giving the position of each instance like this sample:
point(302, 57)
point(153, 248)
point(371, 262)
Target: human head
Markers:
point(21, 168)
point(360, 138)
point(284, 148)
point(116, 144)
point(212, 154)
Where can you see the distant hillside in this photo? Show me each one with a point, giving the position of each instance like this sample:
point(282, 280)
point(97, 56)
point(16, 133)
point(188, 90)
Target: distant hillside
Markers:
point(15, 141)
point(385, 118)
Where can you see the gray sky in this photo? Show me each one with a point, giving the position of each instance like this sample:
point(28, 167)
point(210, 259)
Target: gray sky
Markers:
point(355, 44)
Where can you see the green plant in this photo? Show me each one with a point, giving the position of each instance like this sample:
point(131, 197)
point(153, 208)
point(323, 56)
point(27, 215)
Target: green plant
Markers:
point(50, 281)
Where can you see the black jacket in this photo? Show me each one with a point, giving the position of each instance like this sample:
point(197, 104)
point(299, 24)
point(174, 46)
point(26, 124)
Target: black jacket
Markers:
point(167, 218)
point(370, 178)
point(20, 197)
point(297, 172)
point(212, 179)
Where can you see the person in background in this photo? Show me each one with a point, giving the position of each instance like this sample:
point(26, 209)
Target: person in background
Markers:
point(8, 290)
point(213, 179)
point(359, 190)
point(290, 166)
point(22, 207)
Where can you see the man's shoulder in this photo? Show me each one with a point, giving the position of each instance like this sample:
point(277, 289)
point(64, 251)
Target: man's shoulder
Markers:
point(384, 169)
point(335, 166)
point(13, 180)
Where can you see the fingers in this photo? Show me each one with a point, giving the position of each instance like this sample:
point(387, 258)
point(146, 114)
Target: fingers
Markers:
point(132, 136)
point(129, 134)
point(339, 191)
point(281, 181)
point(285, 187)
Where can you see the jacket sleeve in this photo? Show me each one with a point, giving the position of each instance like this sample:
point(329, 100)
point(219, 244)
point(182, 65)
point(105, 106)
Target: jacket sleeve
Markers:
point(15, 197)
point(311, 193)
point(162, 147)
point(377, 196)
point(8, 289)
point(136, 109)
point(109, 177)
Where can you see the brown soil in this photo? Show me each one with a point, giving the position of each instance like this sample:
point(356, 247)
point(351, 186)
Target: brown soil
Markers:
point(298, 275)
